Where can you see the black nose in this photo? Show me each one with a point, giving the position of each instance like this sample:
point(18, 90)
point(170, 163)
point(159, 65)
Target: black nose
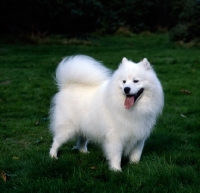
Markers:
point(127, 90)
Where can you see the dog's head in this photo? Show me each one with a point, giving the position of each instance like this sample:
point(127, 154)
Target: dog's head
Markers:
point(133, 80)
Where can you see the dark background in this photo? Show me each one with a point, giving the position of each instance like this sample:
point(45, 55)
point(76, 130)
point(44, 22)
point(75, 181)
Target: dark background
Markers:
point(75, 18)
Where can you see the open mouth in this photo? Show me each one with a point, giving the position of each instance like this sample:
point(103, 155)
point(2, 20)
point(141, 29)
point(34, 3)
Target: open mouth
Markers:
point(131, 99)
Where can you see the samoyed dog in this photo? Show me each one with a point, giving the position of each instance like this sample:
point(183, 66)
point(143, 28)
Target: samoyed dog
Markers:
point(117, 110)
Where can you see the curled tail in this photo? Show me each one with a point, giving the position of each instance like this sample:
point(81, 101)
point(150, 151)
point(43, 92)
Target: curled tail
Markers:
point(80, 69)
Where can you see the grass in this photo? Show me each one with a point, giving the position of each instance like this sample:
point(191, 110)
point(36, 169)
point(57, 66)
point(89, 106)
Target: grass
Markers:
point(170, 160)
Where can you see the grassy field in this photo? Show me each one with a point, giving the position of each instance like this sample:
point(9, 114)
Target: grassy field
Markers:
point(171, 158)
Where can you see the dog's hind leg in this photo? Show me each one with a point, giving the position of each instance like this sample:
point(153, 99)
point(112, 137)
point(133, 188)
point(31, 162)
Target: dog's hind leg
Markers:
point(81, 144)
point(58, 141)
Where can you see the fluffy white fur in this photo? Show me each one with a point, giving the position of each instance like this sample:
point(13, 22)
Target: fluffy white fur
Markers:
point(91, 104)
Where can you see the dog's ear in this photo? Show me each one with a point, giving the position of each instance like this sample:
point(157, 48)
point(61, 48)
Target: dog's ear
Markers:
point(146, 64)
point(124, 60)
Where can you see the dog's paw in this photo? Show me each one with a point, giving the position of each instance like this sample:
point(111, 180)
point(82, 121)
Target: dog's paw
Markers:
point(53, 154)
point(82, 150)
point(116, 169)
point(134, 161)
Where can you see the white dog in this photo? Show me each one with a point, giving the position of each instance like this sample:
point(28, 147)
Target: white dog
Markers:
point(115, 110)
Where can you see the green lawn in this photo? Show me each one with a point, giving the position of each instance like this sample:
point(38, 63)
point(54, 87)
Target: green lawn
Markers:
point(171, 158)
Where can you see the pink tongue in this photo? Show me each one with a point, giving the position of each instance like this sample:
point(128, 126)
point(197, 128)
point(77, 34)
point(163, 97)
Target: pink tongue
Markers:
point(129, 101)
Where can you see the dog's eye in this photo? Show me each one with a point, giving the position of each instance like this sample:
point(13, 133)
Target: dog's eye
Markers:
point(135, 81)
point(124, 81)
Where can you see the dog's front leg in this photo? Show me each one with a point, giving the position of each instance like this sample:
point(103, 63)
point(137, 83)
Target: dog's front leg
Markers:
point(113, 151)
point(136, 152)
